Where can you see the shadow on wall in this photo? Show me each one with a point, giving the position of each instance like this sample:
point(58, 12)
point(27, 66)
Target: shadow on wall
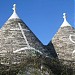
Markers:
point(52, 50)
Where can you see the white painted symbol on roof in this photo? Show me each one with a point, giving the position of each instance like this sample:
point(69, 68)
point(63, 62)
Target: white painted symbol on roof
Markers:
point(19, 29)
point(26, 48)
point(70, 37)
point(73, 51)
point(23, 35)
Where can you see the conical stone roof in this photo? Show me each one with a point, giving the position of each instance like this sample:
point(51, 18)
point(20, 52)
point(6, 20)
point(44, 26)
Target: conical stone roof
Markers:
point(64, 41)
point(17, 38)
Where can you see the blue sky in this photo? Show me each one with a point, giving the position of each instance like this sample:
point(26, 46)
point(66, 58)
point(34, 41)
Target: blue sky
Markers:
point(43, 17)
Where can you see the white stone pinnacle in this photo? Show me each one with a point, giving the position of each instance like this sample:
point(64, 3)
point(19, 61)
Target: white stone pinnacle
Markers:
point(64, 16)
point(65, 23)
point(14, 8)
point(14, 15)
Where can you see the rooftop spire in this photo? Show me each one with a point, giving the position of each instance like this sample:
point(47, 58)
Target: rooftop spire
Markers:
point(65, 23)
point(14, 8)
point(64, 16)
point(14, 15)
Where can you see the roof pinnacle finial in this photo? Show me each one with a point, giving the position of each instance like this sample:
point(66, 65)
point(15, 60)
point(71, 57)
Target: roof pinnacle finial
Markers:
point(64, 16)
point(14, 15)
point(65, 23)
point(14, 7)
